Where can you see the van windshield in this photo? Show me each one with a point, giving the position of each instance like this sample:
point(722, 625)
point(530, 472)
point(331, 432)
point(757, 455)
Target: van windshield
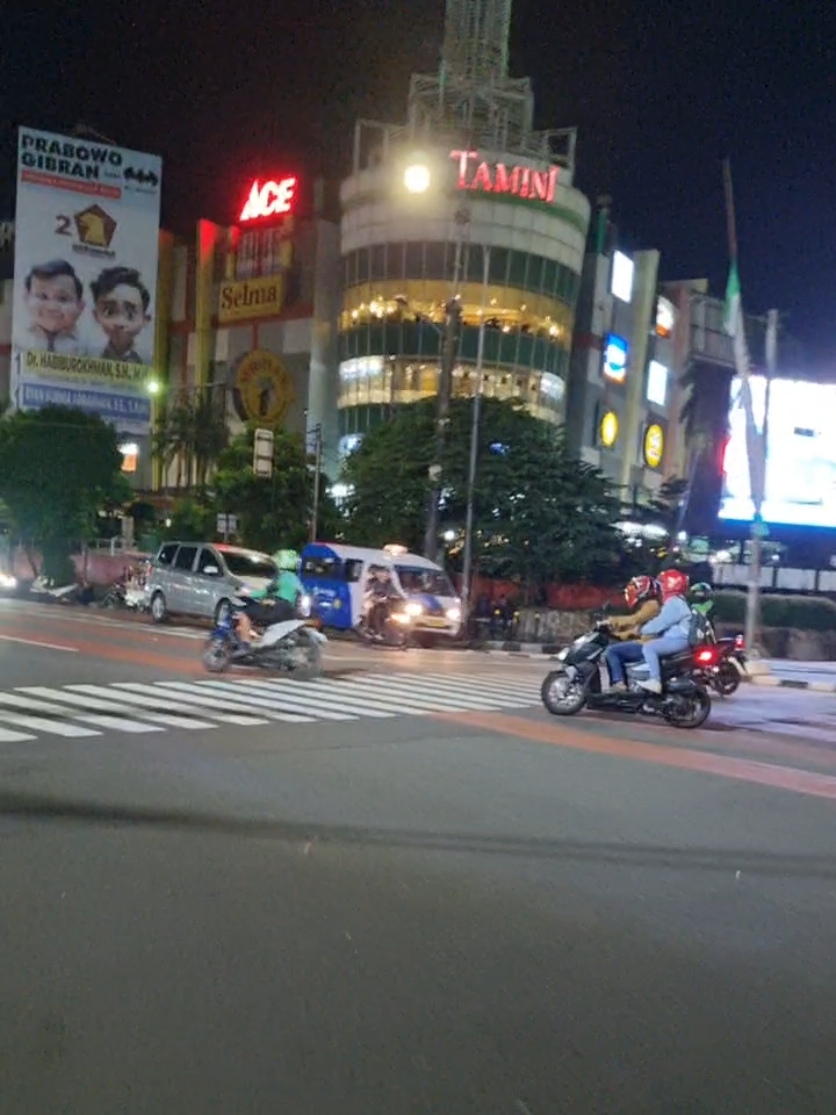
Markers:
point(434, 581)
point(249, 565)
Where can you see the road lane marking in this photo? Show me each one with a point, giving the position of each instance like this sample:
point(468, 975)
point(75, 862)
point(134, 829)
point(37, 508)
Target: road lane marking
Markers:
point(698, 762)
point(91, 700)
point(38, 643)
point(114, 723)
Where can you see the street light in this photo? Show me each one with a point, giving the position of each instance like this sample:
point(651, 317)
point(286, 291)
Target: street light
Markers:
point(417, 178)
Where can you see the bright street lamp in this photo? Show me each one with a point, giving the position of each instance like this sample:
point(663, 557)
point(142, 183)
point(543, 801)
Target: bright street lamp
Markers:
point(416, 178)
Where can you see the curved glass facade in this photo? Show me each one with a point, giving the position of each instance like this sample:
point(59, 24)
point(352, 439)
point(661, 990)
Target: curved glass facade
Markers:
point(391, 327)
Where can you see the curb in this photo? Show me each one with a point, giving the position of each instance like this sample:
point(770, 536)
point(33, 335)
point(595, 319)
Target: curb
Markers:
point(773, 682)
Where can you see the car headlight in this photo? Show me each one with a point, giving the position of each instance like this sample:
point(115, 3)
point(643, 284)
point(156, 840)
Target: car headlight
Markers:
point(7, 581)
point(413, 608)
point(454, 614)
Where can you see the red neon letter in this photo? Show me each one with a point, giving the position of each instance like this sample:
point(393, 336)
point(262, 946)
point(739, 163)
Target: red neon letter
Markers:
point(503, 183)
point(482, 178)
point(552, 184)
point(464, 157)
point(271, 199)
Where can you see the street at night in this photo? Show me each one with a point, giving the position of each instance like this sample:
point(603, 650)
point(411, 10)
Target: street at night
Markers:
point(404, 887)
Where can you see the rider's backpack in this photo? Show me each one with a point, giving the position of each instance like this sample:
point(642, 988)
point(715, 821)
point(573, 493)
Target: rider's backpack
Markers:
point(699, 631)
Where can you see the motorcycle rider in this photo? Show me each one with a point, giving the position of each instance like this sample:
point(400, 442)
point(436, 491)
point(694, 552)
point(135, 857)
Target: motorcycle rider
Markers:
point(669, 633)
point(275, 603)
point(379, 594)
point(642, 593)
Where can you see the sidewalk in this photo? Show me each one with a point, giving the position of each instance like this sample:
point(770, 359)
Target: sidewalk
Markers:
point(775, 672)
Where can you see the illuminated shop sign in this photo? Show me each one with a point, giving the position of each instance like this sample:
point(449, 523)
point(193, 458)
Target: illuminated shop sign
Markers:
point(615, 358)
point(252, 298)
point(621, 284)
point(657, 383)
point(270, 199)
point(665, 317)
point(498, 178)
point(654, 445)
point(608, 429)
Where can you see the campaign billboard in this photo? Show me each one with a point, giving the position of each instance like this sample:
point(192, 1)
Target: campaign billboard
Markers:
point(800, 488)
point(85, 281)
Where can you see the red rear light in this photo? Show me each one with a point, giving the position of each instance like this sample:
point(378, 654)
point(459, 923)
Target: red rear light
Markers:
point(706, 657)
point(739, 642)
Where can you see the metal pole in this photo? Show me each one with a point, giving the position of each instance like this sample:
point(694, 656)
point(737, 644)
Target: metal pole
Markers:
point(317, 470)
point(467, 559)
point(445, 382)
point(758, 531)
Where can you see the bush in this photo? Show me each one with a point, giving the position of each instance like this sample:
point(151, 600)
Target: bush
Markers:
point(804, 613)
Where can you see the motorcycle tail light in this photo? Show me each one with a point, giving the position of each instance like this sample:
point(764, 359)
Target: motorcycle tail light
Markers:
point(739, 642)
point(706, 657)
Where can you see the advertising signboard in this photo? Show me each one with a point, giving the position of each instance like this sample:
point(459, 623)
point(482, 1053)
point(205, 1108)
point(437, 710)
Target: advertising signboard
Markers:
point(800, 458)
point(86, 239)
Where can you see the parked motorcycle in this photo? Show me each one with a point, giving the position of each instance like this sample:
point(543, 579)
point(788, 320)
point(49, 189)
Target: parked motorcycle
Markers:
point(581, 680)
point(293, 646)
point(120, 596)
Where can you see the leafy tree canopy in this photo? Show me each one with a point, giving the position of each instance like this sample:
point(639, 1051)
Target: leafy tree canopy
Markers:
point(58, 466)
point(539, 513)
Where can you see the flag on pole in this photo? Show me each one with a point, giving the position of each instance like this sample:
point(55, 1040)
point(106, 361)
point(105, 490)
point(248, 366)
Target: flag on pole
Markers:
point(733, 308)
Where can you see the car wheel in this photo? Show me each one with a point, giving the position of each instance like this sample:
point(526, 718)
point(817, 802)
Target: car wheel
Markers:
point(159, 610)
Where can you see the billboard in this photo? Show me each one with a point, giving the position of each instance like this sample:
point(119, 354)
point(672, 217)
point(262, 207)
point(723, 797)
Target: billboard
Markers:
point(801, 455)
point(85, 284)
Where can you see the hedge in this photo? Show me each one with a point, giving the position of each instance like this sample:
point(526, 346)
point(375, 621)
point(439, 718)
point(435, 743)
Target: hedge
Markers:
point(804, 613)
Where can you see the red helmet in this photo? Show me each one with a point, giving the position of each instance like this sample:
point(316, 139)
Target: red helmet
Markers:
point(640, 588)
point(673, 582)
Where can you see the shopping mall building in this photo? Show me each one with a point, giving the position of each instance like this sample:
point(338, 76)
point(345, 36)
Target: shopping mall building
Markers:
point(464, 199)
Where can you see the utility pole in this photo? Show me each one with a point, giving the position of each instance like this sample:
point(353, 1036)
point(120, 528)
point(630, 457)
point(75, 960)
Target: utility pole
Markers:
point(467, 559)
point(449, 348)
point(317, 432)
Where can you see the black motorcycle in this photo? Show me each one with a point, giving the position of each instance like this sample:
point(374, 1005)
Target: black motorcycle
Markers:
point(581, 679)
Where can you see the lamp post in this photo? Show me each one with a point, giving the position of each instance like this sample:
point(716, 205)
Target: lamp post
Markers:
point(467, 559)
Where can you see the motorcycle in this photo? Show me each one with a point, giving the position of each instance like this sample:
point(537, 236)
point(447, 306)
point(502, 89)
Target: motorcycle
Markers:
point(126, 597)
point(724, 667)
point(581, 679)
point(293, 646)
point(396, 628)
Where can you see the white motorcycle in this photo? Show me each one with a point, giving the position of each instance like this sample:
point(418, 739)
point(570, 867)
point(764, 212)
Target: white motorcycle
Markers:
point(293, 646)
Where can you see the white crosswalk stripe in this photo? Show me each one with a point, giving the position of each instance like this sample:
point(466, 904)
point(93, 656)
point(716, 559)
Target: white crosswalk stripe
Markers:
point(79, 712)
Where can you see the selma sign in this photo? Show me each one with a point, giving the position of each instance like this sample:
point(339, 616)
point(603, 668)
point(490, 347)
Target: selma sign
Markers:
point(497, 178)
point(273, 199)
point(252, 298)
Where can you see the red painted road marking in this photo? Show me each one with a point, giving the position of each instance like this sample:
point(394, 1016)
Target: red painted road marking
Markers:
point(700, 762)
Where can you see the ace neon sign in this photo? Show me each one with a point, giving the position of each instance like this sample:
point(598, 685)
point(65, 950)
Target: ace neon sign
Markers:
point(272, 199)
point(499, 178)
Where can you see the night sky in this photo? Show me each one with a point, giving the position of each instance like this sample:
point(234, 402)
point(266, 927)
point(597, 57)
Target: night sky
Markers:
point(226, 89)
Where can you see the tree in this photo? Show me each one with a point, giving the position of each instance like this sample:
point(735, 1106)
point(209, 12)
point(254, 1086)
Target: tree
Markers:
point(277, 512)
point(539, 512)
point(193, 433)
point(57, 467)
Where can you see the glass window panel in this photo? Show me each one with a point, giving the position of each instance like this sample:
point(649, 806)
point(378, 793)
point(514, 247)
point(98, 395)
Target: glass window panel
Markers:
point(435, 260)
point(517, 269)
point(499, 266)
point(378, 263)
point(414, 260)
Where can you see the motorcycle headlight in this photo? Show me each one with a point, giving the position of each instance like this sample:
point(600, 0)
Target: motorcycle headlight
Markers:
point(561, 656)
point(304, 606)
point(7, 581)
point(413, 608)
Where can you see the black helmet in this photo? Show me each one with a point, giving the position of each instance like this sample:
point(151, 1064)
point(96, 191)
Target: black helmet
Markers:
point(701, 593)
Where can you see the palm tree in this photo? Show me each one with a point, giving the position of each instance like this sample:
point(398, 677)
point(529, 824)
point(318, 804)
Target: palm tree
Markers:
point(210, 434)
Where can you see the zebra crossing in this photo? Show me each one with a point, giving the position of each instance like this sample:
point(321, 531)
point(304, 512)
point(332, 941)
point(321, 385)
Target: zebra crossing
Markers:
point(139, 708)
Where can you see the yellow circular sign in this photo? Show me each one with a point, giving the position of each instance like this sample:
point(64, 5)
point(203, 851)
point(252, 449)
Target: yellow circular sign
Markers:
point(609, 429)
point(263, 389)
point(654, 445)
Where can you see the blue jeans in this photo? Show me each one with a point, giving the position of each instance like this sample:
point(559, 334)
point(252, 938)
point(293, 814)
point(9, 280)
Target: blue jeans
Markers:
point(660, 648)
point(617, 656)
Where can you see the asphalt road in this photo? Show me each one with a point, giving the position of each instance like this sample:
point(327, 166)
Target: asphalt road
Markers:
point(436, 898)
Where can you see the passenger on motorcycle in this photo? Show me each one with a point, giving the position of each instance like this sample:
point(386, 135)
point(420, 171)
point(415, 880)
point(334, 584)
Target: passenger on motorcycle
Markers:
point(668, 633)
point(275, 603)
point(379, 595)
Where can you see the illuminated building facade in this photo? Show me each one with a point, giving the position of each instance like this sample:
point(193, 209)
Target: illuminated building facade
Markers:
point(463, 199)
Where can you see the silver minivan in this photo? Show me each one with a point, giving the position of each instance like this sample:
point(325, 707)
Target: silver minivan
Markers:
point(201, 580)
